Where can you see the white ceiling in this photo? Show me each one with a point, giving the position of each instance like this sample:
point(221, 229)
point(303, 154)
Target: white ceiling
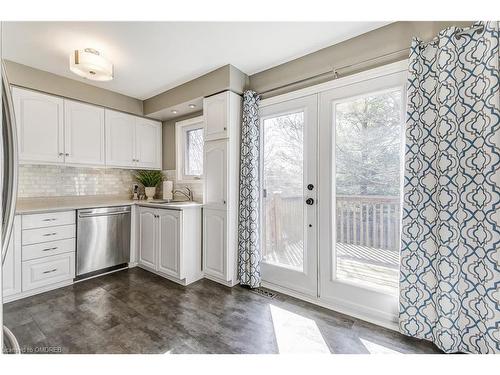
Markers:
point(151, 57)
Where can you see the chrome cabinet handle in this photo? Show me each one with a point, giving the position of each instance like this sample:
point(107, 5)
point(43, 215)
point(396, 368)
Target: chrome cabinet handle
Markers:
point(67, 154)
point(50, 234)
point(50, 248)
point(50, 271)
point(52, 219)
point(61, 153)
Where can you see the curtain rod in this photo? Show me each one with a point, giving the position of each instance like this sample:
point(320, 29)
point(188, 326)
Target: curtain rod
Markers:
point(334, 71)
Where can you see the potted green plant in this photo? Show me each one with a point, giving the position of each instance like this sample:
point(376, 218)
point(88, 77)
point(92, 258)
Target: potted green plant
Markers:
point(150, 180)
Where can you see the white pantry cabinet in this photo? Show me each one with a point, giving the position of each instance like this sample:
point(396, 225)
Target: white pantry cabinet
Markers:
point(215, 173)
point(83, 134)
point(222, 114)
point(11, 270)
point(132, 142)
point(40, 126)
point(170, 243)
point(216, 116)
point(215, 244)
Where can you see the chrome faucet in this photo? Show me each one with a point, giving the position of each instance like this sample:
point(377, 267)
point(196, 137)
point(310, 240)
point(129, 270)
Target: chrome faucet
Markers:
point(186, 192)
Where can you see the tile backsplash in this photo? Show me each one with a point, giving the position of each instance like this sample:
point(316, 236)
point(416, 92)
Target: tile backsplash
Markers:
point(49, 181)
point(57, 181)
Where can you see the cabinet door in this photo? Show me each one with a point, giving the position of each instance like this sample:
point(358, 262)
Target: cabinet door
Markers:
point(148, 143)
point(39, 119)
point(120, 139)
point(215, 172)
point(11, 270)
point(83, 133)
point(147, 237)
point(214, 243)
point(169, 246)
point(216, 116)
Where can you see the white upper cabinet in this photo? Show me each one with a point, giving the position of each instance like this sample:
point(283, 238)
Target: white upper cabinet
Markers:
point(53, 130)
point(216, 116)
point(120, 139)
point(40, 126)
point(215, 171)
point(83, 133)
point(148, 143)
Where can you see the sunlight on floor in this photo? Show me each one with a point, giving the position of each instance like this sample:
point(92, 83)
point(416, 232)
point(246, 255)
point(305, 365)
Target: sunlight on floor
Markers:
point(376, 348)
point(296, 334)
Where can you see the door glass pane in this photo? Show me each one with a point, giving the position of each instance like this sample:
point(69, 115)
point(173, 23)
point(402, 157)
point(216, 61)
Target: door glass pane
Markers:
point(283, 200)
point(194, 153)
point(368, 157)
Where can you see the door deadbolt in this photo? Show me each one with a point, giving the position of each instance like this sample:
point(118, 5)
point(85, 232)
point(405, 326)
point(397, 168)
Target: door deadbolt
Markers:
point(309, 201)
point(310, 187)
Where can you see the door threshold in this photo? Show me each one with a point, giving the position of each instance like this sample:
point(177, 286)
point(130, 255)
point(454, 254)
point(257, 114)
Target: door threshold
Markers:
point(379, 321)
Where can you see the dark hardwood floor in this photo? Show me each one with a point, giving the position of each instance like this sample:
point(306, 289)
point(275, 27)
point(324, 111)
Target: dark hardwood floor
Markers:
point(134, 311)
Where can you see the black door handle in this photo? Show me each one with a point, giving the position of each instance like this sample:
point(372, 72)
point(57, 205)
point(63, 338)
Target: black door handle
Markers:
point(310, 201)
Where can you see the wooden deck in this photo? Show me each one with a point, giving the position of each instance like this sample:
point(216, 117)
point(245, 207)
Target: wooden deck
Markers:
point(378, 268)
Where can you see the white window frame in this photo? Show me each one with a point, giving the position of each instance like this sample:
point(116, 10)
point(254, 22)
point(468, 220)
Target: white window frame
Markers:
point(181, 129)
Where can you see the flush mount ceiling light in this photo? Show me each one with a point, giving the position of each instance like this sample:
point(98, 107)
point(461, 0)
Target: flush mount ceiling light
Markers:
point(174, 111)
point(91, 64)
point(192, 106)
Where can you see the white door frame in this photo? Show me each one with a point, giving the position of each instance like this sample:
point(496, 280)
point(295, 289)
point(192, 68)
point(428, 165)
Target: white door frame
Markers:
point(304, 282)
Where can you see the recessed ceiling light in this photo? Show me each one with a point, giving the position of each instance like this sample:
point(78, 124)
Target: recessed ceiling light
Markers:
point(174, 111)
point(91, 64)
point(192, 106)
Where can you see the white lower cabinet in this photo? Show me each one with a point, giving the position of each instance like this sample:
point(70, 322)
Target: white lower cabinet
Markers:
point(170, 243)
point(45, 271)
point(41, 254)
point(11, 270)
point(147, 237)
point(169, 233)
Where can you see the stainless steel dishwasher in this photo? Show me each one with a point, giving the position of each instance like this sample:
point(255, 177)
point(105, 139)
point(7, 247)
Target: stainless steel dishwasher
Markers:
point(103, 240)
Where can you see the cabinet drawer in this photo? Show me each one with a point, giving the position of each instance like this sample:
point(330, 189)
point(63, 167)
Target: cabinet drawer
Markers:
point(45, 249)
point(32, 236)
point(49, 270)
point(48, 219)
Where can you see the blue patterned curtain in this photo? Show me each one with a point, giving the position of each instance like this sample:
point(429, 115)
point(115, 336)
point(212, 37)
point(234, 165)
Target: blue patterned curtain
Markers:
point(249, 210)
point(450, 256)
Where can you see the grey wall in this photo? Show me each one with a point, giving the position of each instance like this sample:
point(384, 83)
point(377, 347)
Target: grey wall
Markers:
point(225, 78)
point(372, 45)
point(168, 153)
point(25, 76)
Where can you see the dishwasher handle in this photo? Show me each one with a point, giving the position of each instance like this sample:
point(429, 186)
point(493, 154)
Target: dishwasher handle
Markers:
point(88, 214)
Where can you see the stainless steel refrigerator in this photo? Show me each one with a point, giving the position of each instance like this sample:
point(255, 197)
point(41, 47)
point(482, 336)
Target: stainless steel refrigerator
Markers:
point(8, 181)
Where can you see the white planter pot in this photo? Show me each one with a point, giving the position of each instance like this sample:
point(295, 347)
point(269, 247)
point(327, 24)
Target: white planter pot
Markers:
point(150, 192)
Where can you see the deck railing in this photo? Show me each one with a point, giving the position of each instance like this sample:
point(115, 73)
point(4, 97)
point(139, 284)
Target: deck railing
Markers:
point(372, 221)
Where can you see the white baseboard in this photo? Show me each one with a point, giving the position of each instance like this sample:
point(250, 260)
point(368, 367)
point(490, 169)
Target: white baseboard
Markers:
point(32, 292)
point(221, 281)
point(374, 317)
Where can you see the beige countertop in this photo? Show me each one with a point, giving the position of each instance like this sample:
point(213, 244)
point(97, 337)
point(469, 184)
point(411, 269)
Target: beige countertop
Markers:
point(51, 204)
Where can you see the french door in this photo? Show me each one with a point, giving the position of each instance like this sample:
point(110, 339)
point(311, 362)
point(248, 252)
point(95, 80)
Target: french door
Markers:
point(289, 190)
point(332, 177)
point(361, 145)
